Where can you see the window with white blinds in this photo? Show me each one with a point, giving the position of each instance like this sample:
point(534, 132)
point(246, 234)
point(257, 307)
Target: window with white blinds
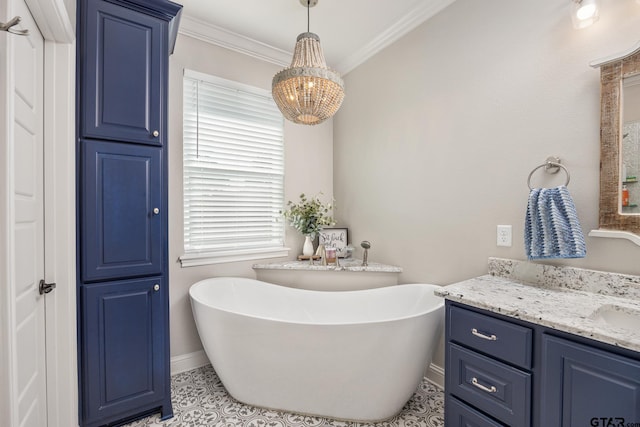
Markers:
point(233, 171)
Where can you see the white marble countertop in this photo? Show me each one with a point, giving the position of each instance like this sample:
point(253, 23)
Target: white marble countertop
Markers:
point(354, 265)
point(553, 305)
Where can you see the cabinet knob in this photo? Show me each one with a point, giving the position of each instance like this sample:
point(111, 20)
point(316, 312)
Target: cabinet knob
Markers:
point(156, 211)
point(156, 287)
point(156, 133)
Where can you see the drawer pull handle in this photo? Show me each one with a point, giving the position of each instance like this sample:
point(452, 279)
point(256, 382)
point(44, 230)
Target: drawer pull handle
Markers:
point(475, 382)
point(491, 337)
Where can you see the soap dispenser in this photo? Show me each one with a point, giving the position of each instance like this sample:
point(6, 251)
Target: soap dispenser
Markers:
point(625, 196)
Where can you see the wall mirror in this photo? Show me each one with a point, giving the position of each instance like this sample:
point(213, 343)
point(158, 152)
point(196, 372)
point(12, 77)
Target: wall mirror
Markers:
point(620, 146)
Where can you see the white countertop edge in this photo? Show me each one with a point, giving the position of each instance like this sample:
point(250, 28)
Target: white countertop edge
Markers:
point(564, 310)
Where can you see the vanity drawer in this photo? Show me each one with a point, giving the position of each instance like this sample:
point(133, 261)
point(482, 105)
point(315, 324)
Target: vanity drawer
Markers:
point(495, 337)
point(457, 414)
point(491, 386)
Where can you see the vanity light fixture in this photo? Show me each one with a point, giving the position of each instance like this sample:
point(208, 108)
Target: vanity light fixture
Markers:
point(584, 13)
point(308, 92)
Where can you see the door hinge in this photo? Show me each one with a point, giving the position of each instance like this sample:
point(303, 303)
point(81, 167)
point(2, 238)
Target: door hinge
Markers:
point(45, 288)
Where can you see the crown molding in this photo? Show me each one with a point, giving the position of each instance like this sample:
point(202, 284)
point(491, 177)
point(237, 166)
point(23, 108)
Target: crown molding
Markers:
point(219, 36)
point(415, 17)
point(210, 33)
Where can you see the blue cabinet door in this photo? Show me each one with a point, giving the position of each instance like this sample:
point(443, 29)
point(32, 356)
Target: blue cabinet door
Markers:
point(121, 218)
point(124, 350)
point(122, 73)
point(585, 386)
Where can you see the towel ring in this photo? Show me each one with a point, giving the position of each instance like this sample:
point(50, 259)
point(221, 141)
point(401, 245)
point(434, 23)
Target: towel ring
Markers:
point(552, 165)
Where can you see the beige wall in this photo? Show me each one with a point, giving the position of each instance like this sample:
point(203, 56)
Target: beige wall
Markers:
point(438, 133)
point(308, 168)
point(435, 140)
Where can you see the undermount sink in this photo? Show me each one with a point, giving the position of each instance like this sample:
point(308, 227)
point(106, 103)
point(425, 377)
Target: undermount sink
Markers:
point(618, 317)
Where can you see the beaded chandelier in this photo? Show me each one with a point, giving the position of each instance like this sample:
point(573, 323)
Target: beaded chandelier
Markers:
point(308, 92)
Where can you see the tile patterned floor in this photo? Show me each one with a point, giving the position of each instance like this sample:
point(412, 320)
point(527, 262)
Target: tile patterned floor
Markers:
point(200, 400)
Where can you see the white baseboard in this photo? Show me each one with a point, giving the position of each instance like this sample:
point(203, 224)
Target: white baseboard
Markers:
point(189, 361)
point(435, 375)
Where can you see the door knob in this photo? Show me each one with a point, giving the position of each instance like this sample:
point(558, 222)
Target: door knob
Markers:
point(156, 133)
point(156, 287)
point(156, 211)
point(45, 288)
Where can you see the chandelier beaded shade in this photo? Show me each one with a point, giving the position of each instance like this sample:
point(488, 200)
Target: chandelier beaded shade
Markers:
point(308, 92)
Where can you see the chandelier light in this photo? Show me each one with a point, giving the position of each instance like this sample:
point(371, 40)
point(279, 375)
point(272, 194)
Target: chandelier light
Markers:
point(308, 92)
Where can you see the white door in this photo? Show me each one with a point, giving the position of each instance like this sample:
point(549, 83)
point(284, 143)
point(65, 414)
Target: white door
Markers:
point(27, 358)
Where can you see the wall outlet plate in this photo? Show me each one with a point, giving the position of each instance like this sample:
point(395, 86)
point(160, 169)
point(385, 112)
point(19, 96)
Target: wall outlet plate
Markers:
point(504, 235)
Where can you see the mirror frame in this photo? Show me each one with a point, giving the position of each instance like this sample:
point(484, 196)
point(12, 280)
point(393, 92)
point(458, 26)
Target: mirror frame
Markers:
point(612, 72)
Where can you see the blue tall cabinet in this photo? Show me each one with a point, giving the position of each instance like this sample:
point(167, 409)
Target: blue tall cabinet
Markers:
point(123, 308)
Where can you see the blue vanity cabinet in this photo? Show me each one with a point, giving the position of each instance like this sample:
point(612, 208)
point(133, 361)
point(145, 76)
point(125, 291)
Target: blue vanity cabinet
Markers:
point(586, 386)
point(501, 371)
point(122, 73)
point(124, 337)
point(123, 53)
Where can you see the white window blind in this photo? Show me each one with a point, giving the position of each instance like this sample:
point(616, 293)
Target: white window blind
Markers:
point(233, 168)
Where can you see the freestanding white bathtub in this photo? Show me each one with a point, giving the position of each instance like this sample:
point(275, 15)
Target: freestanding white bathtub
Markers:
point(354, 355)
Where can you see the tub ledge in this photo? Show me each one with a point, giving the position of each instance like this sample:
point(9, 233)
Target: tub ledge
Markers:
point(345, 265)
point(349, 275)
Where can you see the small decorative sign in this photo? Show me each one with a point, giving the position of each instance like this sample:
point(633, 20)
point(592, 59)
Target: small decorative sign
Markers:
point(334, 238)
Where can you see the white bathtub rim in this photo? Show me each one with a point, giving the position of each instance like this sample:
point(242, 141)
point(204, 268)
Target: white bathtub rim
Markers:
point(431, 308)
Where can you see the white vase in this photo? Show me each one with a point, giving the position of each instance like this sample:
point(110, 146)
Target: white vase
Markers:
point(307, 248)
